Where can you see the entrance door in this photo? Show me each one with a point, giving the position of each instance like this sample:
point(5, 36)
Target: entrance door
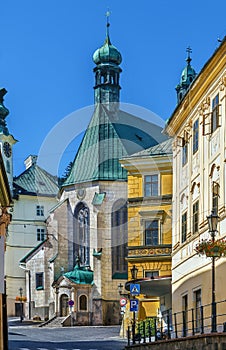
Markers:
point(64, 305)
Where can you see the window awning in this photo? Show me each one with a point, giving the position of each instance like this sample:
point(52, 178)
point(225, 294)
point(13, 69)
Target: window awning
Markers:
point(157, 286)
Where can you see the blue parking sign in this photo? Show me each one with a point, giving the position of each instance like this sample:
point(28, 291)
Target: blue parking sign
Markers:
point(134, 305)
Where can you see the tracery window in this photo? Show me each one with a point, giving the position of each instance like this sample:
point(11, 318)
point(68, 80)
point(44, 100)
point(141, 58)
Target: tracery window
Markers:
point(81, 242)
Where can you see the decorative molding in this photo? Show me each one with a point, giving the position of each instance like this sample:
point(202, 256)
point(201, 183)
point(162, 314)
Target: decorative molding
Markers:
point(153, 251)
point(222, 83)
point(204, 105)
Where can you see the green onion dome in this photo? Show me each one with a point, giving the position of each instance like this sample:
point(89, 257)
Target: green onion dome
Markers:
point(107, 53)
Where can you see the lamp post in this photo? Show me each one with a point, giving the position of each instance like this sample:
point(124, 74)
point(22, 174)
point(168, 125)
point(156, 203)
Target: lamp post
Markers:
point(212, 225)
point(21, 305)
point(134, 271)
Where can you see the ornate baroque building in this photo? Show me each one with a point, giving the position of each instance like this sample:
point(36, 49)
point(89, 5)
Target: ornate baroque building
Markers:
point(198, 128)
point(149, 227)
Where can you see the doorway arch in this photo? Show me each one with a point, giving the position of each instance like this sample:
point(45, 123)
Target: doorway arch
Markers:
point(64, 305)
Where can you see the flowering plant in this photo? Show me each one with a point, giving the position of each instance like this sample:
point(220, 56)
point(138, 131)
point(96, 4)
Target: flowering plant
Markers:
point(210, 248)
point(23, 298)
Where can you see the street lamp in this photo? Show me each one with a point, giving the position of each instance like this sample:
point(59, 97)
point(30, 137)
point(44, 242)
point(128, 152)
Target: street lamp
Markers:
point(134, 272)
point(21, 305)
point(212, 225)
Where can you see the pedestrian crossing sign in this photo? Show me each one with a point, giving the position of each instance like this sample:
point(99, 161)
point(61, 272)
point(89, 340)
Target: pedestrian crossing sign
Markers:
point(135, 289)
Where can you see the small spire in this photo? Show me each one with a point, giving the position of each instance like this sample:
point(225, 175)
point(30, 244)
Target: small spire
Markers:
point(107, 40)
point(189, 51)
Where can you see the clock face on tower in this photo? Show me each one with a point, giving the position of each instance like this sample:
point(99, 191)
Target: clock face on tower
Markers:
point(7, 149)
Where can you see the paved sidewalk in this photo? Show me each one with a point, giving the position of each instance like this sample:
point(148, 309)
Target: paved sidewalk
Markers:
point(16, 322)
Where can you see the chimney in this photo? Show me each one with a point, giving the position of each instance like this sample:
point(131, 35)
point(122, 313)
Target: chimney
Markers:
point(30, 160)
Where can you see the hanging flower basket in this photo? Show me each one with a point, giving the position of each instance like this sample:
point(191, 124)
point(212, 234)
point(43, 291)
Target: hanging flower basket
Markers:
point(19, 298)
point(211, 249)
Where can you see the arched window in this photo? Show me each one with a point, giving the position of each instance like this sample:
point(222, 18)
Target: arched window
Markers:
point(119, 239)
point(81, 244)
point(83, 303)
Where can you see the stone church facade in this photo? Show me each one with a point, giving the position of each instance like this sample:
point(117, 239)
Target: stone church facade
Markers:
point(84, 256)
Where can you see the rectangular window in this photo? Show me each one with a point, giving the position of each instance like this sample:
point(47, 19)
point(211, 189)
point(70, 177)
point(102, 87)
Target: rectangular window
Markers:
point(195, 217)
point(185, 313)
point(215, 197)
point(151, 274)
point(215, 114)
point(150, 185)
point(198, 304)
point(195, 136)
point(184, 227)
point(184, 154)
point(40, 234)
point(39, 280)
point(40, 210)
point(151, 232)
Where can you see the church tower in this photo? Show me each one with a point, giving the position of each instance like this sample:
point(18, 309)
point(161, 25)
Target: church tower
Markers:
point(6, 140)
point(107, 71)
point(187, 77)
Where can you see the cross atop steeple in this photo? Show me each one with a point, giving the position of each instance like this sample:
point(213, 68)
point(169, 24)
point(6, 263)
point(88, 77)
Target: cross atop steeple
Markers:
point(189, 51)
point(107, 27)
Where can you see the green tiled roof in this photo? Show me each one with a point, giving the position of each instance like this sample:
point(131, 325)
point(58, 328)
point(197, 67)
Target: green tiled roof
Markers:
point(163, 148)
point(36, 181)
point(32, 251)
point(80, 275)
point(109, 137)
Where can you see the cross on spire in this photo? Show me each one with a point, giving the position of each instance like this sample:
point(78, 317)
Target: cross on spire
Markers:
point(189, 51)
point(108, 25)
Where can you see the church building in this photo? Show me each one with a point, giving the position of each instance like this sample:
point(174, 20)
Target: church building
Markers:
point(85, 258)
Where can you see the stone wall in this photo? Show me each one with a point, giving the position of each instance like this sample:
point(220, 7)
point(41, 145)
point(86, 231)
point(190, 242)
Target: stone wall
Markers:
point(199, 342)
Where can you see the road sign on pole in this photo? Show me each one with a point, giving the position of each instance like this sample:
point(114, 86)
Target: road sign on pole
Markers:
point(134, 289)
point(71, 303)
point(123, 301)
point(134, 304)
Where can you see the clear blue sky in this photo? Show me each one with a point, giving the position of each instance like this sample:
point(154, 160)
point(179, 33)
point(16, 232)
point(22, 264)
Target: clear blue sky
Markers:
point(46, 56)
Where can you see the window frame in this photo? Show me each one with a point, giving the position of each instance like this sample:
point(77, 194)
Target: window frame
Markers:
point(154, 241)
point(195, 136)
point(184, 224)
point(83, 299)
point(198, 304)
point(195, 217)
point(184, 154)
point(40, 210)
point(39, 281)
point(151, 188)
point(151, 274)
point(215, 196)
point(41, 234)
point(215, 114)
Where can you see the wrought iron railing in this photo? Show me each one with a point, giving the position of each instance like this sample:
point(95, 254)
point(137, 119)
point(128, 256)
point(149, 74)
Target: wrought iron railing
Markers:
point(186, 323)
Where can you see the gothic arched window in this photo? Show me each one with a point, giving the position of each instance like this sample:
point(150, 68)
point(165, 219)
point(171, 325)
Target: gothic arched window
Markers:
point(82, 234)
point(119, 239)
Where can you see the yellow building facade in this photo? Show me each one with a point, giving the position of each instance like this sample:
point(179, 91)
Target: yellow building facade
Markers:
point(199, 131)
point(149, 226)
